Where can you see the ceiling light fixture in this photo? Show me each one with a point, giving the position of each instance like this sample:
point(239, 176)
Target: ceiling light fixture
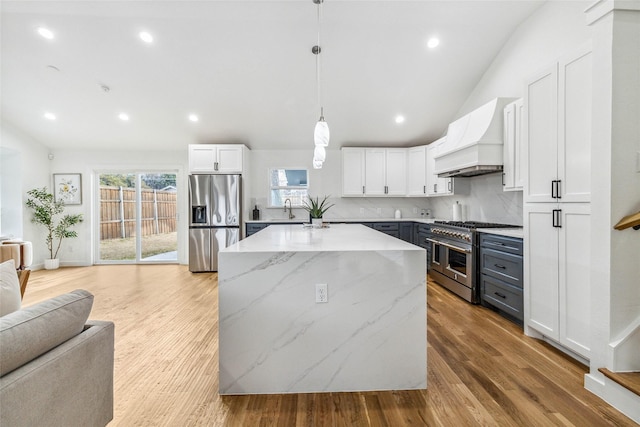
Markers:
point(146, 37)
point(49, 116)
point(321, 132)
point(193, 117)
point(124, 117)
point(433, 42)
point(46, 33)
point(400, 119)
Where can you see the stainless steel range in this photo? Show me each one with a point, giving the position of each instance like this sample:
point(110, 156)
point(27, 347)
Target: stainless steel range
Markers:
point(455, 256)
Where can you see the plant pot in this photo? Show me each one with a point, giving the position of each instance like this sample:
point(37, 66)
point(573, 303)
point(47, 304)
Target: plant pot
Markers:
point(51, 264)
point(316, 222)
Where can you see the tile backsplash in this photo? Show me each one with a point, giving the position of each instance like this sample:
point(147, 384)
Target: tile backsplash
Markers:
point(484, 201)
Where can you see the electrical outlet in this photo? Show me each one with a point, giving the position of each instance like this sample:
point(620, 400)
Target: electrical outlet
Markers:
point(322, 294)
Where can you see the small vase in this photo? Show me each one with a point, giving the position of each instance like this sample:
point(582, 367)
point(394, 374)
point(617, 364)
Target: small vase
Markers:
point(51, 264)
point(316, 222)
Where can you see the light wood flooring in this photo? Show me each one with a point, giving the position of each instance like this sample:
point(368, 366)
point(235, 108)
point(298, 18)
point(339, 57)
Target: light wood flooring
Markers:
point(482, 370)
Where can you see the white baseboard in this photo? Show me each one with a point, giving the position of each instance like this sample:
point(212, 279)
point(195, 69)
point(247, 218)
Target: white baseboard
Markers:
point(614, 394)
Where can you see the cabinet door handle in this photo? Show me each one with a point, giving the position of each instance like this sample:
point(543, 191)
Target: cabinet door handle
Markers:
point(363, 189)
point(500, 266)
point(503, 184)
point(553, 189)
point(386, 190)
point(556, 218)
point(450, 185)
point(424, 189)
point(503, 296)
point(435, 188)
point(558, 196)
point(215, 166)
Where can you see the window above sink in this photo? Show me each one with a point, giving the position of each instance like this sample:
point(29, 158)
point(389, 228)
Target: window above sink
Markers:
point(292, 184)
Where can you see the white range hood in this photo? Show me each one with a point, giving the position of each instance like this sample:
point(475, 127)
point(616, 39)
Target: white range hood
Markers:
point(474, 143)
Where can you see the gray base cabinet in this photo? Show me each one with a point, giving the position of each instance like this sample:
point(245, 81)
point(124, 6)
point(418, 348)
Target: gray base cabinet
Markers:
point(501, 278)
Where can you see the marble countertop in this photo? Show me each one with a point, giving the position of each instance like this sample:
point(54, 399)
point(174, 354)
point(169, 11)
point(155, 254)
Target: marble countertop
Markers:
point(339, 220)
point(337, 237)
point(509, 232)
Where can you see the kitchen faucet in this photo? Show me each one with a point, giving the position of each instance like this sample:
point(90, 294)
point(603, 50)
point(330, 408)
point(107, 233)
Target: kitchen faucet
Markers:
point(291, 215)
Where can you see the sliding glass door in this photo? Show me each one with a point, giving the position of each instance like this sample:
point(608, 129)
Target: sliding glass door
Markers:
point(137, 216)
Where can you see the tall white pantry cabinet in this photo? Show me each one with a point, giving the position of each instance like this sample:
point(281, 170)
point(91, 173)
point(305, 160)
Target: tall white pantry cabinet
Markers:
point(557, 195)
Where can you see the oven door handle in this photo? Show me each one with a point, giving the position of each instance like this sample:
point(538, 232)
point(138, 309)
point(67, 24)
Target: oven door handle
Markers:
point(447, 245)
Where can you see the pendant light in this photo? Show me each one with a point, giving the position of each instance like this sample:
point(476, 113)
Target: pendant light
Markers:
point(321, 132)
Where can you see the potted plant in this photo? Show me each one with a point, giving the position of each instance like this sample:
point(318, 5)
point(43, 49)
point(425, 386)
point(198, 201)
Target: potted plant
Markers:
point(47, 211)
point(316, 209)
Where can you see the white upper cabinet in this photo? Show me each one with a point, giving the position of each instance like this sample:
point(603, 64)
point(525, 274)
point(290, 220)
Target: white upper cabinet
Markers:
point(513, 147)
point(216, 158)
point(375, 182)
point(396, 171)
point(374, 172)
point(353, 172)
point(417, 171)
point(436, 186)
point(557, 129)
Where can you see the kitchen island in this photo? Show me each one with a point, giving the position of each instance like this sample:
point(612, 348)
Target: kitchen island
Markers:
point(370, 334)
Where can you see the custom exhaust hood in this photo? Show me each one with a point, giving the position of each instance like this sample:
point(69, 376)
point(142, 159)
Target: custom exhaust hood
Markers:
point(474, 143)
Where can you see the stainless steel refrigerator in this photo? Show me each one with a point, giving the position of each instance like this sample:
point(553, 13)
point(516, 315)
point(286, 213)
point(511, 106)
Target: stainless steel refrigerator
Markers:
point(215, 216)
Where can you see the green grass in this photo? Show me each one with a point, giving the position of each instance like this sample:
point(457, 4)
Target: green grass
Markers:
point(125, 249)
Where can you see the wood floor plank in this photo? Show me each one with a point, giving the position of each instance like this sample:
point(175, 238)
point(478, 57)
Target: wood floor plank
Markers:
point(482, 370)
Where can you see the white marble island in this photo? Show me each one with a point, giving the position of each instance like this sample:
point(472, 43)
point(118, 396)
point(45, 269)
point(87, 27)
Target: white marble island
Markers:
point(371, 334)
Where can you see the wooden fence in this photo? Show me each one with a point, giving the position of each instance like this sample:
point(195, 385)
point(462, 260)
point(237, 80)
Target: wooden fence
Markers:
point(118, 212)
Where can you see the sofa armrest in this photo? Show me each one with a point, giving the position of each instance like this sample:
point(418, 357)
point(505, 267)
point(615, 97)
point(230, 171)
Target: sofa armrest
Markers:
point(72, 384)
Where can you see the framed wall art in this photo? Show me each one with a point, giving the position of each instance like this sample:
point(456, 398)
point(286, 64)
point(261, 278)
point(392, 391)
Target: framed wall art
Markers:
point(68, 188)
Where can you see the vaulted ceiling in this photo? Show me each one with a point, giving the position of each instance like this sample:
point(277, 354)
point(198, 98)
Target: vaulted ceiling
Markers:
point(245, 68)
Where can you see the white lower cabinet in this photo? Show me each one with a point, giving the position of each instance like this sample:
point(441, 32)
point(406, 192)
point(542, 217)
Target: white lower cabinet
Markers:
point(557, 273)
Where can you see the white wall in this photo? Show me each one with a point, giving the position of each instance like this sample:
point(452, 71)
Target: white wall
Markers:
point(32, 171)
point(554, 29)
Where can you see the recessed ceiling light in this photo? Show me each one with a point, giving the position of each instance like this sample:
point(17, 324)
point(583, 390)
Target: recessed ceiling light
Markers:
point(46, 33)
point(146, 37)
point(193, 117)
point(433, 42)
point(399, 119)
point(49, 116)
point(124, 117)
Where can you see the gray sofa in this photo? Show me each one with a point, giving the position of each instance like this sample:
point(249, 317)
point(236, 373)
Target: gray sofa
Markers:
point(56, 368)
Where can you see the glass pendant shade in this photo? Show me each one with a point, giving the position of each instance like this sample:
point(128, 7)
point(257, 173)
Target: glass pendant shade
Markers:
point(321, 133)
point(319, 154)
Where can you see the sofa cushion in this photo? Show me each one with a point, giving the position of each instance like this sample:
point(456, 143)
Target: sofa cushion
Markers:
point(10, 299)
point(27, 333)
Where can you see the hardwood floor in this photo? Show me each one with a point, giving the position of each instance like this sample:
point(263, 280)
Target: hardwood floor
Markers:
point(482, 370)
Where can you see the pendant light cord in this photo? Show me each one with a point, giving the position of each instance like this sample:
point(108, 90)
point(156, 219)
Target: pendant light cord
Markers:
point(318, 65)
